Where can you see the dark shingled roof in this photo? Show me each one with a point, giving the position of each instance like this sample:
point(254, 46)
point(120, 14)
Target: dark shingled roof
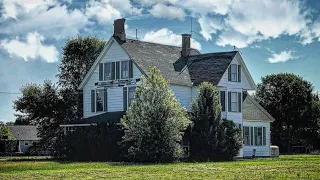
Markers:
point(24, 132)
point(104, 117)
point(209, 67)
point(200, 67)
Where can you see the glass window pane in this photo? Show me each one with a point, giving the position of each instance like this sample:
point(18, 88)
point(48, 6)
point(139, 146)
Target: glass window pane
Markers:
point(99, 100)
point(264, 136)
point(107, 71)
point(124, 69)
point(234, 102)
point(130, 94)
point(234, 72)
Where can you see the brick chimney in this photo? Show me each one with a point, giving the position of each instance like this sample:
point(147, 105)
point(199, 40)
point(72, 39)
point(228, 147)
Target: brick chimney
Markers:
point(185, 45)
point(119, 30)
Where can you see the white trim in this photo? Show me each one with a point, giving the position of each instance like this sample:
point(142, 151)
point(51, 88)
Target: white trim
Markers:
point(245, 71)
point(77, 125)
point(96, 62)
point(257, 120)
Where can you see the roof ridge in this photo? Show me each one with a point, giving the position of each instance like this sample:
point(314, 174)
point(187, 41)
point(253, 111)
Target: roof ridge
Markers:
point(158, 43)
point(203, 54)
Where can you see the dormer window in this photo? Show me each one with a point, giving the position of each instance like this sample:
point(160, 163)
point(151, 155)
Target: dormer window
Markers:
point(234, 73)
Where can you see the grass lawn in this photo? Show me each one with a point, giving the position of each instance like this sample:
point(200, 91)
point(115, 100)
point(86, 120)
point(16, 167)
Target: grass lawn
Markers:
point(285, 167)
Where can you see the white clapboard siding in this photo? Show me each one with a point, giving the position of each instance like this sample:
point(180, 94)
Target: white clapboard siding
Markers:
point(244, 84)
point(260, 150)
point(183, 95)
point(115, 53)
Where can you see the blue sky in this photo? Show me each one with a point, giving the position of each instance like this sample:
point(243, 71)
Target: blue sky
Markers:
point(273, 36)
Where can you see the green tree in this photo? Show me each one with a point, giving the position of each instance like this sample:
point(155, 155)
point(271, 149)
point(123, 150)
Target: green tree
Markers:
point(154, 123)
point(289, 99)
point(211, 137)
point(43, 106)
point(5, 133)
point(78, 55)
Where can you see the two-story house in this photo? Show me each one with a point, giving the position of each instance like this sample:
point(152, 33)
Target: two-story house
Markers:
point(109, 85)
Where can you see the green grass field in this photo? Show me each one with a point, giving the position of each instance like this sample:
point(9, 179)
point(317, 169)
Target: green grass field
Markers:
point(285, 167)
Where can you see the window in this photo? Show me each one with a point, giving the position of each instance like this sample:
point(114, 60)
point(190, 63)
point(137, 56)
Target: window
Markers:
point(254, 136)
point(130, 95)
point(124, 69)
point(107, 71)
point(234, 72)
point(258, 136)
point(26, 143)
point(223, 100)
point(234, 102)
point(99, 100)
point(246, 136)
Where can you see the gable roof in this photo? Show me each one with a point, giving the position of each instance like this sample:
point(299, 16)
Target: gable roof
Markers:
point(252, 110)
point(24, 132)
point(209, 67)
point(186, 71)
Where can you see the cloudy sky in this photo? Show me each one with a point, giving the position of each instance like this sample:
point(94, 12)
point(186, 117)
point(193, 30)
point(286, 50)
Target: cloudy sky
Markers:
point(273, 35)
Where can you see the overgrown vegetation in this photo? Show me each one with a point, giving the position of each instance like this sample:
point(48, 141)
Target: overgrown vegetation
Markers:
point(91, 143)
point(211, 137)
point(154, 123)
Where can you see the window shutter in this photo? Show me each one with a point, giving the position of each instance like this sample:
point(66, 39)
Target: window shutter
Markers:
point(264, 136)
point(105, 102)
point(229, 101)
point(100, 71)
point(113, 68)
point(93, 103)
point(239, 73)
point(125, 98)
point(229, 73)
point(223, 100)
point(130, 69)
point(239, 101)
point(118, 70)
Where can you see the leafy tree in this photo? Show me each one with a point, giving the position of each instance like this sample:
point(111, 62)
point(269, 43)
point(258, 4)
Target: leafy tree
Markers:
point(289, 99)
point(154, 123)
point(211, 137)
point(79, 55)
point(5, 133)
point(43, 106)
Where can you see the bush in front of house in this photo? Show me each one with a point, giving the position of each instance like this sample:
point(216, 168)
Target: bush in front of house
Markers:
point(91, 143)
point(212, 138)
point(154, 123)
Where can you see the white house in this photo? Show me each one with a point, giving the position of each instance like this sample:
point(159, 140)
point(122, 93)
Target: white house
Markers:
point(109, 85)
point(25, 135)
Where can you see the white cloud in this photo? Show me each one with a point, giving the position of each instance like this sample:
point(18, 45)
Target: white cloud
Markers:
point(316, 29)
point(164, 11)
point(32, 48)
point(237, 39)
point(207, 6)
point(252, 20)
point(209, 26)
point(56, 22)
point(269, 18)
point(104, 13)
point(152, 2)
point(165, 36)
point(283, 56)
point(124, 6)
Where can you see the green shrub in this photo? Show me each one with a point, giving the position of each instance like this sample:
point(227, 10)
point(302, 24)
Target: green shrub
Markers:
point(154, 123)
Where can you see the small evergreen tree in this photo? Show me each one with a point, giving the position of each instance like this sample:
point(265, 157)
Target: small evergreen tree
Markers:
point(211, 137)
point(154, 123)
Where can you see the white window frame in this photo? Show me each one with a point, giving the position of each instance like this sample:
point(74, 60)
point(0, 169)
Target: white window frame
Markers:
point(236, 78)
point(128, 94)
point(120, 67)
point(104, 71)
point(244, 136)
point(253, 135)
point(95, 100)
point(232, 102)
